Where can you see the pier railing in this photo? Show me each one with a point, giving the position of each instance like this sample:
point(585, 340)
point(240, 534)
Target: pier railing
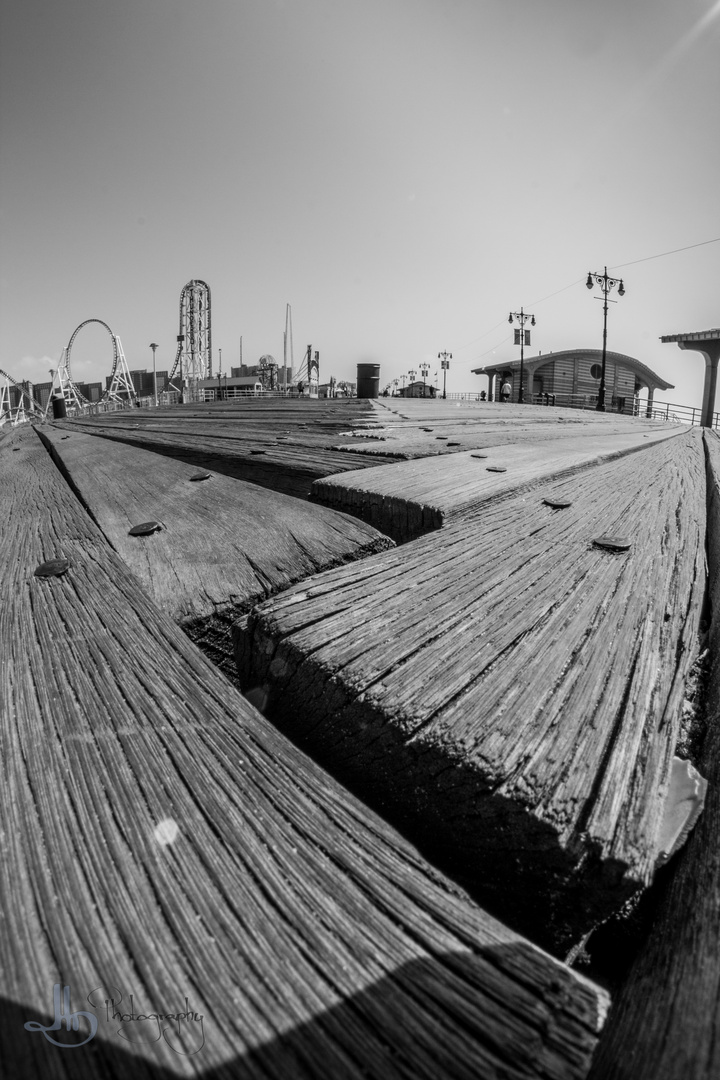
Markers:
point(652, 410)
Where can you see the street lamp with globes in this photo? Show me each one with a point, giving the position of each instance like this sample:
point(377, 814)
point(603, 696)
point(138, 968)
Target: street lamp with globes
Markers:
point(522, 318)
point(606, 284)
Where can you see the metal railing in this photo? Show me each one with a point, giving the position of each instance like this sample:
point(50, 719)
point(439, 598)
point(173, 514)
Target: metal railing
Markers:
point(670, 411)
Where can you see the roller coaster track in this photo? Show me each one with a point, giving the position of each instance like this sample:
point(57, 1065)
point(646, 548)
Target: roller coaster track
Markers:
point(32, 402)
point(194, 349)
point(120, 380)
point(70, 345)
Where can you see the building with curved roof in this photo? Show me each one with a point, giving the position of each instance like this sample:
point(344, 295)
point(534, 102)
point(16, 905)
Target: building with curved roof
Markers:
point(573, 376)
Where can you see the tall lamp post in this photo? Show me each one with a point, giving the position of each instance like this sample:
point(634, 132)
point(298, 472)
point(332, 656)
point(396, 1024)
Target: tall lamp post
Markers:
point(523, 337)
point(153, 346)
point(444, 358)
point(606, 284)
point(411, 376)
point(425, 370)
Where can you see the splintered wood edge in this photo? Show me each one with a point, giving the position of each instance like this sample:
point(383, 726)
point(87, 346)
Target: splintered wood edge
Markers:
point(378, 870)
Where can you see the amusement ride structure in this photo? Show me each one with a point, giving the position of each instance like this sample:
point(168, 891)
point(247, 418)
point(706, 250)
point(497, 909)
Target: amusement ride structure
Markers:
point(193, 363)
point(20, 415)
point(64, 387)
point(194, 340)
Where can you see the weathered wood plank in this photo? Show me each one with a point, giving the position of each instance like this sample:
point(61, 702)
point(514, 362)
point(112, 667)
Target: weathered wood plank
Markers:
point(665, 1021)
point(408, 498)
point(225, 544)
point(284, 445)
point(505, 689)
point(434, 428)
point(159, 837)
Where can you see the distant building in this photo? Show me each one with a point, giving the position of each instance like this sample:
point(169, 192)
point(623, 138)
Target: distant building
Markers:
point(143, 382)
point(418, 389)
point(270, 374)
point(221, 386)
point(574, 376)
point(90, 391)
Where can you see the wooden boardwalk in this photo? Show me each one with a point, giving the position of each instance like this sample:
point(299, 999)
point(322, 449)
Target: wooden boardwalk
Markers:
point(503, 696)
point(224, 544)
point(278, 445)
point(506, 688)
point(160, 839)
point(409, 498)
point(422, 429)
point(665, 1021)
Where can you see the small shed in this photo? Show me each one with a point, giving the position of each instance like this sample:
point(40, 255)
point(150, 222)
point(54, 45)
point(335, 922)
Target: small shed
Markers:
point(418, 389)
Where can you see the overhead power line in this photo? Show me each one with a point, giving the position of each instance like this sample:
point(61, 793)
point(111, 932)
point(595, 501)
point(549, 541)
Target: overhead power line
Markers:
point(616, 266)
point(662, 254)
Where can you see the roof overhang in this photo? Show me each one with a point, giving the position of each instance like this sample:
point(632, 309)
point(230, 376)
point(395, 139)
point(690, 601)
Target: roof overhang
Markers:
point(697, 335)
point(643, 372)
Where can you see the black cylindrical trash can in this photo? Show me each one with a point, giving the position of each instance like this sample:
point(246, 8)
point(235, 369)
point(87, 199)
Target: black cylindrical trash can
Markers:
point(368, 380)
point(59, 407)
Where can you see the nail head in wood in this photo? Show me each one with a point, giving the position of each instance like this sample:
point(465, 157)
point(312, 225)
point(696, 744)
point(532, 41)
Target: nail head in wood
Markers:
point(145, 528)
point(52, 568)
point(613, 543)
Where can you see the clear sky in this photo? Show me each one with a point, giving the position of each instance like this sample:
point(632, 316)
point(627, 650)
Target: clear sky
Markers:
point(402, 172)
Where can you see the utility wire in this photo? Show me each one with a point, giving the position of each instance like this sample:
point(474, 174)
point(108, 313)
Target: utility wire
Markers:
point(664, 253)
point(620, 266)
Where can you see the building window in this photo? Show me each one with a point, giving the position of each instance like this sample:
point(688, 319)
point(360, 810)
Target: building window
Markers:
point(596, 371)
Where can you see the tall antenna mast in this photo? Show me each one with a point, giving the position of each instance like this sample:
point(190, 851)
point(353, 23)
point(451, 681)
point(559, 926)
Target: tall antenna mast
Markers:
point(288, 340)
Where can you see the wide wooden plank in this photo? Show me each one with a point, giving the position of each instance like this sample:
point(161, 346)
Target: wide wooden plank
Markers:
point(224, 544)
point(282, 445)
point(505, 688)
point(664, 1024)
point(159, 839)
point(430, 428)
point(409, 498)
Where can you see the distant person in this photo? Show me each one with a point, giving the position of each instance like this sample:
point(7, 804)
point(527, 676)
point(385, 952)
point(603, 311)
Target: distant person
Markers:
point(483, 395)
point(505, 391)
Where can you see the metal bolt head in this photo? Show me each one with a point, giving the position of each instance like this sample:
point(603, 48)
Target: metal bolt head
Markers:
point(613, 543)
point(145, 528)
point(52, 568)
point(199, 476)
point(496, 468)
point(558, 504)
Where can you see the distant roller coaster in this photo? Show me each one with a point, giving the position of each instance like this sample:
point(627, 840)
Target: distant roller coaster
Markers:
point(63, 384)
point(194, 340)
point(6, 411)
point(193, 358)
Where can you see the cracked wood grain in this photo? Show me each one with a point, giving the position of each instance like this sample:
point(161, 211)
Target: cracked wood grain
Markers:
point(158, 836)
point(224, 545)
point(408, 498)
point(664, 1023)
point(505, 689)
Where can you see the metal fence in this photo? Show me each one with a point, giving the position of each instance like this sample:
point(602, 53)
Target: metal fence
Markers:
point(652, 410)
